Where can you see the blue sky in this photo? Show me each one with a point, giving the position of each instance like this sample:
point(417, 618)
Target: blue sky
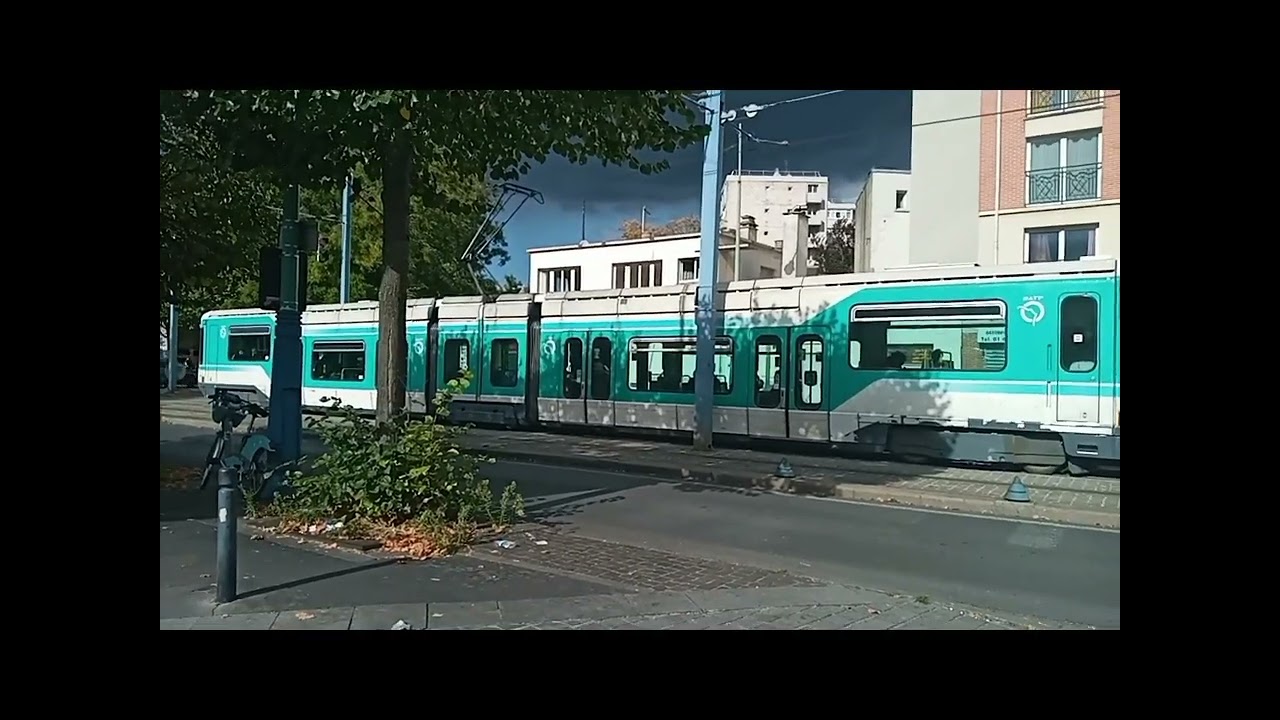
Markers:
point(842, 136)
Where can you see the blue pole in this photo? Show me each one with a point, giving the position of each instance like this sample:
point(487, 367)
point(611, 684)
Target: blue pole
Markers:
point(708, 263)
point(344, 290)
point(173, 347)
point(285, 423)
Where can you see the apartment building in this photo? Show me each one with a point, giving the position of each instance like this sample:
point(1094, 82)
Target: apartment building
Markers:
point(1011, 176)
point(837, 211)
point(882, 223)
point(768, 194)
point(644, 262)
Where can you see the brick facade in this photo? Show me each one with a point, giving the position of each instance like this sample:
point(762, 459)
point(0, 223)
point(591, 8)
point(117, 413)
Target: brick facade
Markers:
point(1111, 145)
point(987, 153)
point(1013, 150)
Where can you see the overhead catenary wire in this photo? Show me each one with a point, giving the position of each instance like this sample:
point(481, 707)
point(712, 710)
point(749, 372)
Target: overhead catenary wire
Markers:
point(851, 133)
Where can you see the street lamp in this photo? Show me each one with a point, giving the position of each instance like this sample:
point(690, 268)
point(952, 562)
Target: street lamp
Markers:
point(737, 233)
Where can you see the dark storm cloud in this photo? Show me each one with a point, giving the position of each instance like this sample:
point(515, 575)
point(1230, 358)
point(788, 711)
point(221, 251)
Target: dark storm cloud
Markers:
point(842, 136)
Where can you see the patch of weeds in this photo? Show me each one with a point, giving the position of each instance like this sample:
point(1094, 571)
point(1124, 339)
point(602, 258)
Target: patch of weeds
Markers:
point(406, 483)
point(923, 599)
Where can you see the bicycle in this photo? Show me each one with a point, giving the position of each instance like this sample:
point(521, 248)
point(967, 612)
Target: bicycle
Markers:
point(252, 462)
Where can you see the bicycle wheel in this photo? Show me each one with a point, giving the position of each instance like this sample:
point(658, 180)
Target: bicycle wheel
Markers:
point(213, 460)
point(253, 475)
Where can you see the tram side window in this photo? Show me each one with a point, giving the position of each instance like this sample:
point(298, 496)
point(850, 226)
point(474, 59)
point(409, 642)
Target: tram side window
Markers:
point(601, 368)
point(768, 372)
point(668, 365)
point(504, 362)
point(809, 361)
point(1079, 342)
point(457, 359)
point(573, 368)
point(249, 344)
point(338, 361)
point(963, 336)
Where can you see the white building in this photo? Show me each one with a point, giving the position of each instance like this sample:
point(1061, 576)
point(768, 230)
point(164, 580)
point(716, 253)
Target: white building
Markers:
point(645, 262)
point(1002, 177)
point(768, 194)
point(837, 211)
point(883, 221)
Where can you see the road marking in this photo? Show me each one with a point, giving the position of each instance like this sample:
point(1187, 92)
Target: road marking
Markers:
point(867, 503)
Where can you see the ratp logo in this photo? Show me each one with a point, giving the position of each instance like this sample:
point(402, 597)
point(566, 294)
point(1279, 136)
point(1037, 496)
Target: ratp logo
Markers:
point(1032, 311)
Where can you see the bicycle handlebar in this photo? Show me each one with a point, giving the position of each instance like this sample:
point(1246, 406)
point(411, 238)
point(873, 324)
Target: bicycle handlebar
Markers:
point(222, 396)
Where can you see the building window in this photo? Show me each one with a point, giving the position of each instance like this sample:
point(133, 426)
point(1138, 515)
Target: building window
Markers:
point(1054, 100)
point(689, 269)
point(504, 363)
point(811, 188)
point(249, 343)
point(767, 272)
point(573, 368)
point(637, 274)
point(1064, 168)
point(900, 200)
point(564, 279)
point(1061, 243)
point(338, 361)
point(667, 365)
point(966, 336)
point(457, 359)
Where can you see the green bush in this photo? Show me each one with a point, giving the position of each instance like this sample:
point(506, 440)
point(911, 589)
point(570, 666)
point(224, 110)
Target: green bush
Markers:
point(399, 471)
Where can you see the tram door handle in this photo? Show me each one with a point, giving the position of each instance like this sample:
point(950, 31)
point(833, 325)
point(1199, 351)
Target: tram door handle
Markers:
point(1048, 394)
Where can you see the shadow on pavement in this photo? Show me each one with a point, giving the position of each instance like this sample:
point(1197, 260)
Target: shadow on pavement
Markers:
point(276, 576)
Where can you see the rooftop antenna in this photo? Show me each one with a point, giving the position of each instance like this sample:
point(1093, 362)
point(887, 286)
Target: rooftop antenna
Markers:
point(584, 221)
point(491, 227)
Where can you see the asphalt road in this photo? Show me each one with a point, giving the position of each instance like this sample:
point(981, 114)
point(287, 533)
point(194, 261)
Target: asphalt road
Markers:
point(1048, 571)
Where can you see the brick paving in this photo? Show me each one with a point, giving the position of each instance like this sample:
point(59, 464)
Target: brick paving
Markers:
point(830, 607)
point(632, 567)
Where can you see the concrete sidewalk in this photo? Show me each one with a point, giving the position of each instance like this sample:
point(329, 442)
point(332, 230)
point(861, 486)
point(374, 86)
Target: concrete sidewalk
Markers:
point(1089, 501)
point(831, 607)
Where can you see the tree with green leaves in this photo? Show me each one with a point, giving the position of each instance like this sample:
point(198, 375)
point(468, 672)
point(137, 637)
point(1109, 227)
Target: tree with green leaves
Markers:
point(438, 236)
point(833, 251)
point(213, 220)
point(632, 229)
point(418, 143)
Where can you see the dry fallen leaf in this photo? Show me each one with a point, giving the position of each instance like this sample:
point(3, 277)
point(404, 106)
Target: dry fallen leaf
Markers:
point(873, 611)
point(303, 615)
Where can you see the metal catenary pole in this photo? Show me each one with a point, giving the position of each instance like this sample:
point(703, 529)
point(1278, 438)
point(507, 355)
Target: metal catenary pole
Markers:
point(708, 263)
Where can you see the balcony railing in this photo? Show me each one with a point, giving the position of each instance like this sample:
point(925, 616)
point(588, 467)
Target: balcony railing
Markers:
point(1065, 184)
point(1053, 100)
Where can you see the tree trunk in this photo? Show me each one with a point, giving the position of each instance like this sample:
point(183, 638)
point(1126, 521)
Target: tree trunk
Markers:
point(393, 345)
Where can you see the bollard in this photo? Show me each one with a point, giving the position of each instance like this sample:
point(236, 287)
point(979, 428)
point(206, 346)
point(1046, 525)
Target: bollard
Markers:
point(227, 488)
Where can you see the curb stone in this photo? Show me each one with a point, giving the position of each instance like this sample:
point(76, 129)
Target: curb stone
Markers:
point(797, 486)
point(802, 486)
point(465, 615)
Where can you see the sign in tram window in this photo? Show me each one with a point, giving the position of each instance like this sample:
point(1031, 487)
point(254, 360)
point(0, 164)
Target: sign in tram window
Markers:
point(457, 358)
point(573, 368)
point(969, 336)
point(809, 362)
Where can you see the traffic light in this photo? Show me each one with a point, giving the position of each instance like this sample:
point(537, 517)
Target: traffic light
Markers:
point(269, 270)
